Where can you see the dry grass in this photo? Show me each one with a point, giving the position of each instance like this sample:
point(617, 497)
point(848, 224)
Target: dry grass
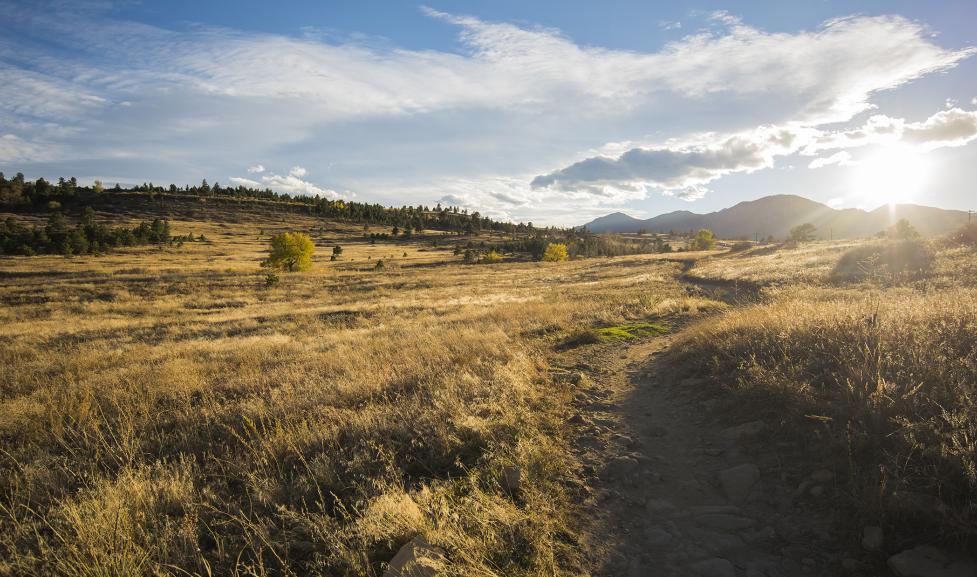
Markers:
point(879, 379)
point(164, 413)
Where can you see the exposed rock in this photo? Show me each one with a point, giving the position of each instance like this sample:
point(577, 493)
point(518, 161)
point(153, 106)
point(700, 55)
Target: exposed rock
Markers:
point(621, 467)
point(738, 481)
point(512, 479)
point(418, 558)
point(816, 491)
point(872, 538)
point(715, 567)
point(743, 431)
point(928, 561)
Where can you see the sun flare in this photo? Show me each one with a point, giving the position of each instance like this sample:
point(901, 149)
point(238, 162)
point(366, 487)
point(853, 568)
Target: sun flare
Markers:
point(892, 175)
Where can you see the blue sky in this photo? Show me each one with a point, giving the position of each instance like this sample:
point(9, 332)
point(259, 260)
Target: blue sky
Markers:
point(554, 112)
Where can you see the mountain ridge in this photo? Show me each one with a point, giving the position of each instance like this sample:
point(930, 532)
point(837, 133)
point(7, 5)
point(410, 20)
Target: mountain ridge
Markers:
point(775, 215)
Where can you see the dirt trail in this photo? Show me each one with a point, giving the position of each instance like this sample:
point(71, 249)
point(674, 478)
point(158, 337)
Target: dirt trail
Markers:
point(678, 492)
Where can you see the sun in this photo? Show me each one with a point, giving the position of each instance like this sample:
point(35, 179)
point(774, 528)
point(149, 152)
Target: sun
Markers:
point(892, 175)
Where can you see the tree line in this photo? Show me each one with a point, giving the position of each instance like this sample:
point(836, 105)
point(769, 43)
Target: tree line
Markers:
point(87, 237)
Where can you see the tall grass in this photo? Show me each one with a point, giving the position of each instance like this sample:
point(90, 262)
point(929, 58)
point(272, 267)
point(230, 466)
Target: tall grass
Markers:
point(885, 381)
point(168, 413)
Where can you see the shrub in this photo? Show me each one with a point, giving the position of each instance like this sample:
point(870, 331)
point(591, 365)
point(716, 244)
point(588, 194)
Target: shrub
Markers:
point(555, 253)
point(271, 279)
point(704, 240)
point(491, 257)
point(290, 251)
point(966, 235)
point(802, 233)
point(903, 230)
point(379, 265)
point(888, 262)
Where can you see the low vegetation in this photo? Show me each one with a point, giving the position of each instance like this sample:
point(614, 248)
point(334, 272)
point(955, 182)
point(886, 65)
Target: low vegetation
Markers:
point(185, 412)
point(879, 380)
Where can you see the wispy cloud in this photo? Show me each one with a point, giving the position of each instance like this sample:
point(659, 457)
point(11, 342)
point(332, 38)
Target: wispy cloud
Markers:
point(479, 122)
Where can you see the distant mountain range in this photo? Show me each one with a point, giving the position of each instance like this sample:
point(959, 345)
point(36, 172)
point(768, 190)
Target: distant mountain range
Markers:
point(776, 215)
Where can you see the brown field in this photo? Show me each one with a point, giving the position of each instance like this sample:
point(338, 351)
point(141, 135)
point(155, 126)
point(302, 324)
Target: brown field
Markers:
point(164, 412)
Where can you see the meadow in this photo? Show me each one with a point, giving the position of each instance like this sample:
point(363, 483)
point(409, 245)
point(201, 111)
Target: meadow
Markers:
point(173, 411)
point(166, 411)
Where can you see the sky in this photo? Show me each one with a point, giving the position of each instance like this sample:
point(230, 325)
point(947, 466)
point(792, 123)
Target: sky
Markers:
point(553, 112)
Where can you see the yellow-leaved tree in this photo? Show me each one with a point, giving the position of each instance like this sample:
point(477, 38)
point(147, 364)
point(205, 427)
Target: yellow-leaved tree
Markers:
point(555, 253)
point(290, 251)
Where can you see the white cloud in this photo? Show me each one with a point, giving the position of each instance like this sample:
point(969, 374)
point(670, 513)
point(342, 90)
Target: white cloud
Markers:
point(677, 166)
point(840, 158)
point(478, 120)
point(257, 168)
point(680, 169)
point(292, 183)
point(670, 25)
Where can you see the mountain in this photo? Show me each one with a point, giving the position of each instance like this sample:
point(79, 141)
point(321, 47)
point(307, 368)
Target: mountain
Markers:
point(776, 215)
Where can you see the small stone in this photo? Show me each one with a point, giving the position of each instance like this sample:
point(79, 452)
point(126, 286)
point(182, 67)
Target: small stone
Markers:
point(656, 536)
point(738, 481)
point(621, 467)
point(743, 431)
point(715, 567)
point(850, 565)
point(872, 538)
point(928, 561)
point(816, 491)
point(512, 479)
point(715, 542)
point(418, 558)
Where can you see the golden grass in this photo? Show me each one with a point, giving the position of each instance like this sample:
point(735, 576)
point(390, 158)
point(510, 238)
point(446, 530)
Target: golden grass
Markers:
point(880, 382)
point(162, 412)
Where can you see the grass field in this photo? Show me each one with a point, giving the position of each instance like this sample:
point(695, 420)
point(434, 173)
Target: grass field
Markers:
point(163, 411)
point(167, 411)
point(878, 375)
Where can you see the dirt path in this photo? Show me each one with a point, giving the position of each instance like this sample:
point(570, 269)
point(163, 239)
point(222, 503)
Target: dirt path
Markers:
point(679, 492)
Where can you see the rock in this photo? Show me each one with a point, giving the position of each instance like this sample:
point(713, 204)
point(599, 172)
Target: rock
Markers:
point(715, 542)
point(418, 558)
point(872, 538)
point(715, 567)
point(850, 565)
point(512, 479)
point(659, 506)
point(622, 467)
point(656, 536)
point(928, 561)
point(816, 491)
point(657, 432)
point(725, 522)
point(743, 431)
point(738, 481)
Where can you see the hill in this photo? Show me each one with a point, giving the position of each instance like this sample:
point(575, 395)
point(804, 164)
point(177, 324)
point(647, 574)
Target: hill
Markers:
point(776, 215)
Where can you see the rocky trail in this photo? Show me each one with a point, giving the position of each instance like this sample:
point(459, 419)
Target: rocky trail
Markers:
point(678, 491)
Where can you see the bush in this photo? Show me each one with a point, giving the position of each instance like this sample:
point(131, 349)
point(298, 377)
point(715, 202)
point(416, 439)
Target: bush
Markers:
point(887, 262)
point(802, 233)
point(966, 235)
point(555, 253)
point(290, 251)
point(491, 257)
point(903, 230)
point(704, 240)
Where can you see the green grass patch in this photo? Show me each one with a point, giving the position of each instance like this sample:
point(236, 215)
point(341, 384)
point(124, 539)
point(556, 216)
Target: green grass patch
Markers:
point(630, 331)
